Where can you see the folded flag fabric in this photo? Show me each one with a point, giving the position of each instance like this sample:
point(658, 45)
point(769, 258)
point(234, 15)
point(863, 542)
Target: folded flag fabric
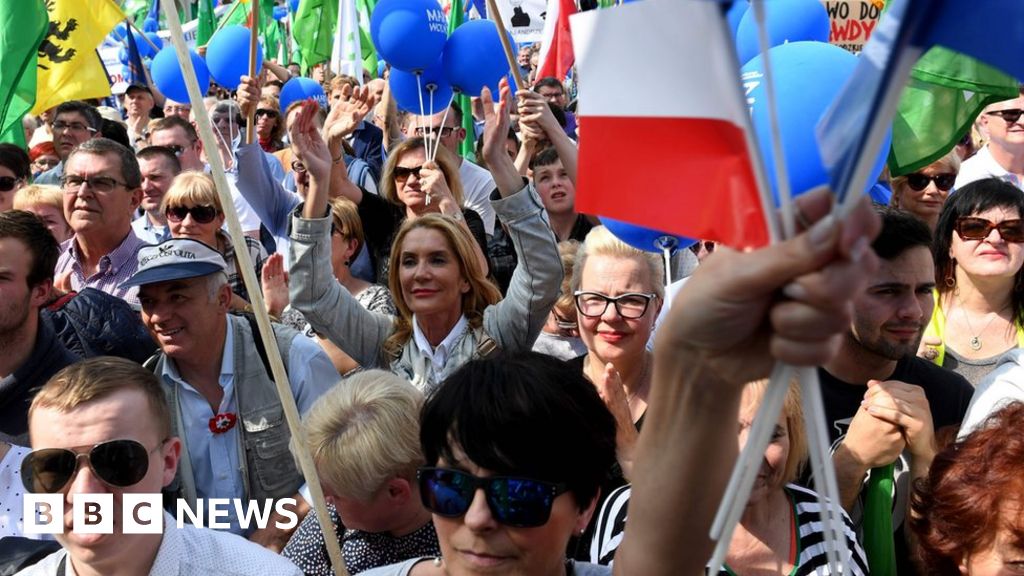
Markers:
point(24, 25)
point(676, 158)
point(556, 55)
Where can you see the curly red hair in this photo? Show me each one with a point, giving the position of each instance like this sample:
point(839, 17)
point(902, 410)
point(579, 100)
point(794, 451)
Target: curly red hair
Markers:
point(959, 508)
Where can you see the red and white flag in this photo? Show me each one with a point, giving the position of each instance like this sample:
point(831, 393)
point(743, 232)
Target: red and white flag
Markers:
point(556, 55)
point(665, 148)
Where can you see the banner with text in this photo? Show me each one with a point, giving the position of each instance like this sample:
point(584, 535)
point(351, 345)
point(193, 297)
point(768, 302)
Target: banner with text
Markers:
point(524, 19)
point(852, 22)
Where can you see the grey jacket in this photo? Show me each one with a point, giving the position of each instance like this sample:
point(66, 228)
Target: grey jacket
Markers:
point(513, 323)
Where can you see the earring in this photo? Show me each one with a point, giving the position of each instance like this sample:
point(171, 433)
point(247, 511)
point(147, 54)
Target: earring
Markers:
point(950, 279)
point(437, 561)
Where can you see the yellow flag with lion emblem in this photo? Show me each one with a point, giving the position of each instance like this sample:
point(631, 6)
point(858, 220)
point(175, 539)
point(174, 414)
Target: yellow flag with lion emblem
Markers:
point(68, 66)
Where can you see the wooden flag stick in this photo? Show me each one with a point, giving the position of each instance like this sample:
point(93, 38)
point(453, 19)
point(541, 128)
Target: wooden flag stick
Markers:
point(254, 41)
point(492, 9)
point(245, 266)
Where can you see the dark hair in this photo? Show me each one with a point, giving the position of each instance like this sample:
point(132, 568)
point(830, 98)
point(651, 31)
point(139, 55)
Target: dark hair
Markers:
point(525, 414)
point(548, 82)
point(978, 196)
point(92, 116)
point(168, 122)
point(558, 113)
point(456, 112)
point(959, 504)
point(901, 231)
point(546, 157)
point(115, 131)
point(33, 233)
point(15, 159)
point(105, 146)
point(168, 155)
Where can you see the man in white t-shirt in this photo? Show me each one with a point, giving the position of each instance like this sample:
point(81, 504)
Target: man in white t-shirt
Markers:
point(1003, 156)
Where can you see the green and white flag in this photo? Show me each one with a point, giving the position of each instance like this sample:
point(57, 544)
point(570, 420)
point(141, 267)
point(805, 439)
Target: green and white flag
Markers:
point(347, 56)
point(313, 30)
point(23, 25)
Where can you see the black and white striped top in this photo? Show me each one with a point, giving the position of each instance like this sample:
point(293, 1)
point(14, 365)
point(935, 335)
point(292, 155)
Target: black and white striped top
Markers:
point(811, 557)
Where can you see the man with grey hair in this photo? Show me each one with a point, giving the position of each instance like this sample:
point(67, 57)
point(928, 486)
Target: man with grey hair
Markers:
point(102, 188)
point(217, 377)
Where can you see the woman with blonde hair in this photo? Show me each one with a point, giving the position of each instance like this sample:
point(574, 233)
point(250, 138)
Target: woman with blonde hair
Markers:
point(193, 210)
point(560, 336)
point(269, 125)
point(924, 192)
point(46, 202)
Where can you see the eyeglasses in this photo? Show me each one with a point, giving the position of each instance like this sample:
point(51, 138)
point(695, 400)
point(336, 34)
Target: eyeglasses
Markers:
point(46, 163)
point(7, 183)
point(918, 181)
point(298, 166)
point(971, 228)
point(263, 112)
point(403, 172)
point(74, 127)
point(517, 502)
point(119, 463)
point(707, 245)
point(176, 148)
point(445, 131)
point(200, 214)
point(1011, 115)
point(102, 184)
point(174, 109)
point(630, 305)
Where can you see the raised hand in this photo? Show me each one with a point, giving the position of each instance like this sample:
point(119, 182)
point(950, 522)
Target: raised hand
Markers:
point(274, 282)
point(347, 112)
point(248, 95)
point(535, 111)
point(309, 144)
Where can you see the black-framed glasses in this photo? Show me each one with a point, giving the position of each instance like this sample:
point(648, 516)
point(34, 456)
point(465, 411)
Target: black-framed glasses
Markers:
point(973, 228)
point(514, 501)
point(102, 184)
point(265, 112)
point(200, 214)
point(403, 172)
point(7, 183)
point(1011, 115)
point(119, 463)
point(918, 181)
point(444, 131)
point(176, 148)
point(72, 126)
point(630, 305)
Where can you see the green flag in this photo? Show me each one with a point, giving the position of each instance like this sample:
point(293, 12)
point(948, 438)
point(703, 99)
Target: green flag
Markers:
point(206, 22)
point(313, 30)
point(945, 93)
point(879, 546)
point(23, 26)
point(365, 10)
point(467, 149)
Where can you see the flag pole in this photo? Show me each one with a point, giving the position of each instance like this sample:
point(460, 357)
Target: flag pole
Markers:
point(245, 266)
point(492, 8)
point(223, 23)
point(143, 34)
point(254, 40)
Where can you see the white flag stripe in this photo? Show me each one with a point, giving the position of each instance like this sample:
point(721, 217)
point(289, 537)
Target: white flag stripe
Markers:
point(347, 54)
point(669, 43)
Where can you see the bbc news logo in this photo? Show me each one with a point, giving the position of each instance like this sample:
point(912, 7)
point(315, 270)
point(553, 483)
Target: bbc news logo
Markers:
point(144, 513)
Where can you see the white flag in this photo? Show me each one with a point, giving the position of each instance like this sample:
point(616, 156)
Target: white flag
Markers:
point(347, 56)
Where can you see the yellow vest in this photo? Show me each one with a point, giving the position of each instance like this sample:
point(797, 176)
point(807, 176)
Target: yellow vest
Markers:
point(937, 328)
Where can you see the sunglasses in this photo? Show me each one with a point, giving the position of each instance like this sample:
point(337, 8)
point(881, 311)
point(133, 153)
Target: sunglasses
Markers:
point(1011, 115)
point(200, 214)
point(403, 172)
point(516, 502)
point(175, 148)
point(918, 181)
point(971, 228)
point(119, 463)
point(270, 113)
point(7, 183)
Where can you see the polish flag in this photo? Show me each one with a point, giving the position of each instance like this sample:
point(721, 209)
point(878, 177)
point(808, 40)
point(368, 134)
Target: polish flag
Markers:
point(556, 55)
point(666, 147)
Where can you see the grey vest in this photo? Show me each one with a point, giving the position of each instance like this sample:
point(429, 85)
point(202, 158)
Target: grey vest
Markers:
point(269, 471)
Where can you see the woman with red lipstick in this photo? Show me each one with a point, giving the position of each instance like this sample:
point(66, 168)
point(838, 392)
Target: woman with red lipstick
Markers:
point(979, 253)
point(924, 192)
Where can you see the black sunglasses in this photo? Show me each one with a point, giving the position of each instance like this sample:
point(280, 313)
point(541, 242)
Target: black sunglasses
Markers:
point(7, 183)
point(201, 214)
point(119, 463)
point(1011, 115)
point(270, 113)
point(918, 181)
point(403, 172)
point(972, 228)
point(516, 502)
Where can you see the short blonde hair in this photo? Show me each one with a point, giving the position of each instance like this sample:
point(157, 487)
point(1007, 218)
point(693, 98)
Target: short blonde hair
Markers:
point(345, 217)
point(601, 242)
point(445, 160)
point(365, 431)
point(39, 195)
point(191, 188)
point(794, 415)
point(951, 162)
point(566, 303)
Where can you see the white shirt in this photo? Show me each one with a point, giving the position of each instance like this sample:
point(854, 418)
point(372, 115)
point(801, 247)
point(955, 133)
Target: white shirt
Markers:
point(477, 185)
point(438, 356)
point(148, 232)
point(983, 165)
point(191, 551)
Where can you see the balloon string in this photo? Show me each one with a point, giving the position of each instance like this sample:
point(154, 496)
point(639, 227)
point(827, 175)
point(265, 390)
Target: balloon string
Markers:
point(444, 120)
point(419, 121)
point(667, 253)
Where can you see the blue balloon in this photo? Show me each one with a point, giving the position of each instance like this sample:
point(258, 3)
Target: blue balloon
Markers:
point(410, 34)
point(150, 25)
point(167, 76)
point(735, 15)
point(120, 32)
point(145, 50)
point(808, 76)
point(382, 65)
point(644, 238)
point(280, 12)
point(301, 88)
point(407, 89)
point(474, 58)
point(227, 55)
point(787, 21)
point(293, 5)
point(122, 55)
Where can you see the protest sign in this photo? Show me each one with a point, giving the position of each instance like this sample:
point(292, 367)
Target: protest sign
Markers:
point(852, 22)
point(524, 19)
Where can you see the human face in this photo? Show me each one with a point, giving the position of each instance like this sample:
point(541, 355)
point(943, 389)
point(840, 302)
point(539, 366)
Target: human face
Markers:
point(18, 300)
point(1001, 132)
point(611, 337)
point(176, 136)
point(1004, 556)
point(408, 188)
point(7, 196)
point(157, 176)
point(554, 96)
point(69, 130)
point(432, 280)
point(476, 543)
point(890, 316)
point(451, 134)
point(138, 103)
point(926, 204)
point(266, 121)
point(557, 192)
point(88, 210)
point(771, 477)
point(44, 163)
point(224, 123)
point(189, 227)
point(181, 315)
point(125, 414)
point(992, 257)
point(53, 217)
point(172, 108)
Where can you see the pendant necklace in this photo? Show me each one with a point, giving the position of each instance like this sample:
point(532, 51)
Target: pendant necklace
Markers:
point(975, 342)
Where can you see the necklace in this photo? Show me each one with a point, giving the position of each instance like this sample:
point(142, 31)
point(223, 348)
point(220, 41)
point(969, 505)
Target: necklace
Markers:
point(975, 342)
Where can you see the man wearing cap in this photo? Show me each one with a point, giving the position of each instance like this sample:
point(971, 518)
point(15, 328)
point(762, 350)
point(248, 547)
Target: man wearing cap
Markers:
point(74, 122)
point(219, 384)
point(138, 103)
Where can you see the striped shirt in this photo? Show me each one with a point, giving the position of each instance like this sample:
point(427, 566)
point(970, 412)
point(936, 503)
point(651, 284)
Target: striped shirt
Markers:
point(114, 268)
point(811, 557)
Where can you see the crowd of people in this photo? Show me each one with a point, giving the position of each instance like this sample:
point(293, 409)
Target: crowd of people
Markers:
point(490, 381)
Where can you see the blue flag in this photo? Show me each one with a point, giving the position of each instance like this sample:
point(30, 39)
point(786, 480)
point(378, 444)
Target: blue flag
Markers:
point(134, 72)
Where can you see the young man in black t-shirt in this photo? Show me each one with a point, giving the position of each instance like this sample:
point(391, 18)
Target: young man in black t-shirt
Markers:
point(883, 404)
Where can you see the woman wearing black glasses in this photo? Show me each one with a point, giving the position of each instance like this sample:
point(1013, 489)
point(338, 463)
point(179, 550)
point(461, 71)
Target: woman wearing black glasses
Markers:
point(516, 449)
point(194, 211)
point(15, 172)
point(924, 192)
point(978, 259)
point(269, 127)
